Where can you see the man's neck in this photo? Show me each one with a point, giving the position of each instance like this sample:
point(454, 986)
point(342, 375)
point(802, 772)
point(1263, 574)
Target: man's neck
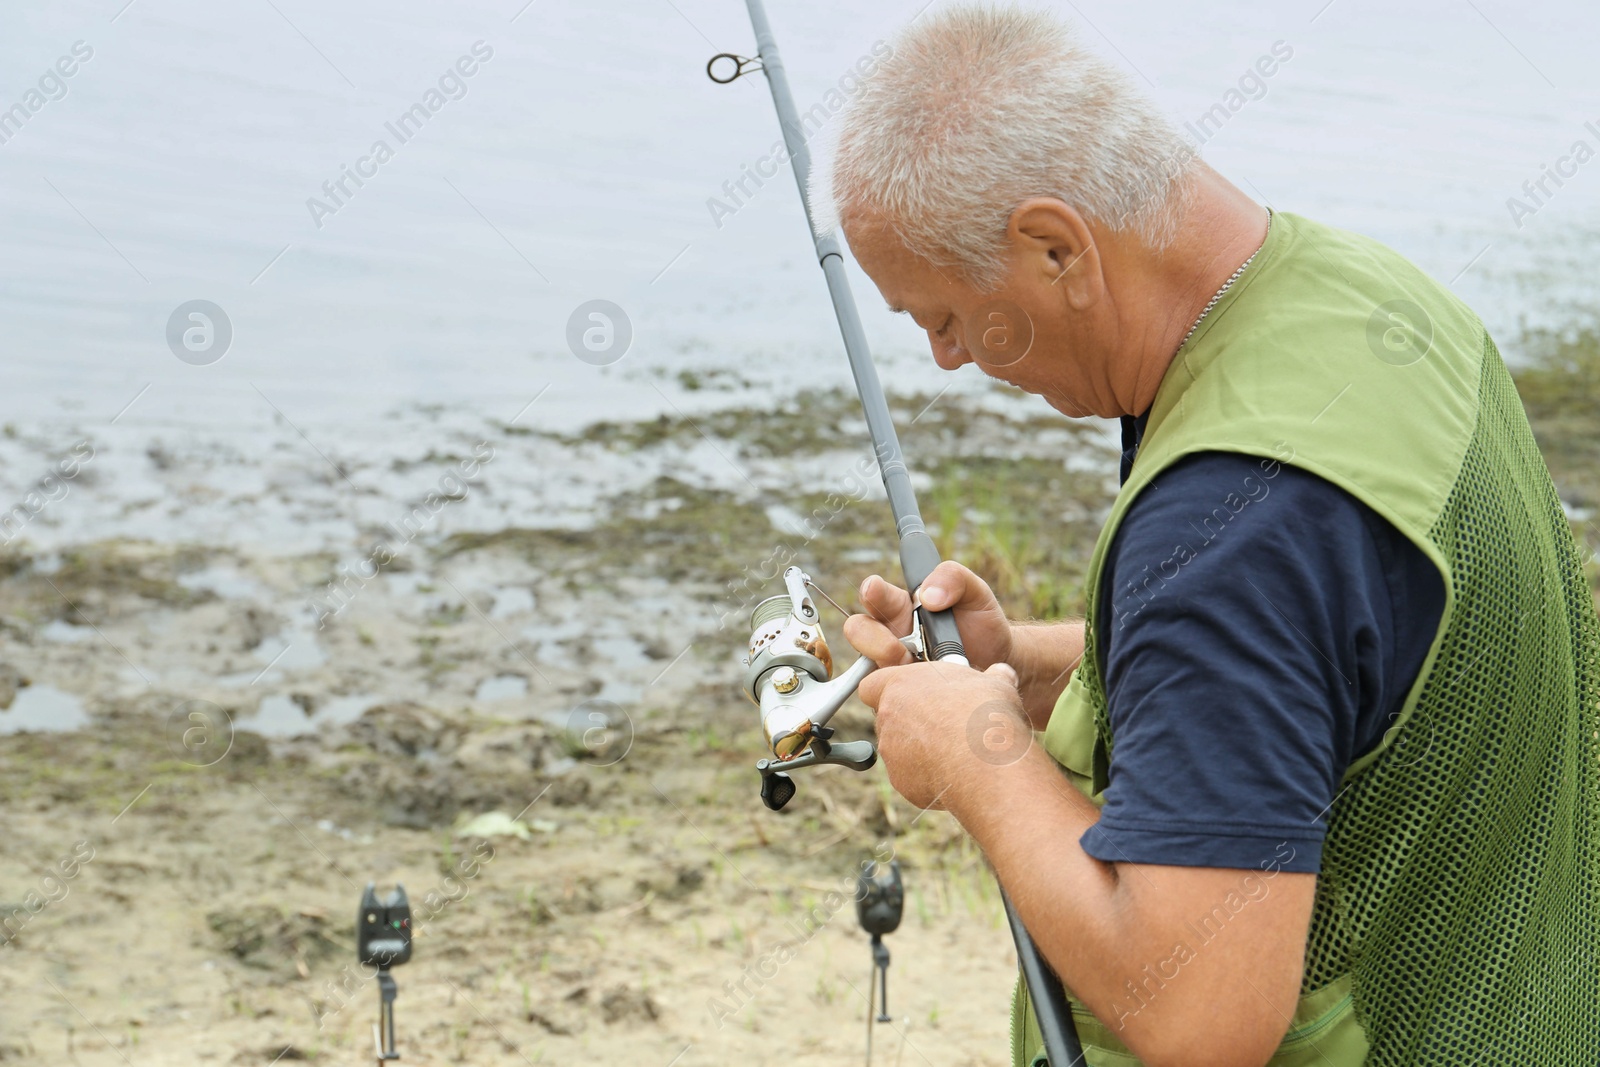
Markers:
point(1221, 229)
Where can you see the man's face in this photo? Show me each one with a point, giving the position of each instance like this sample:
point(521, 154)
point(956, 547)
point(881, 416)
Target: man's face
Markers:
point(1025, 333)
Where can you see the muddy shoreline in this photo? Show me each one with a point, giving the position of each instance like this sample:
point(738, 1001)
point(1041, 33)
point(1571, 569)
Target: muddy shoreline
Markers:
point(535, 725)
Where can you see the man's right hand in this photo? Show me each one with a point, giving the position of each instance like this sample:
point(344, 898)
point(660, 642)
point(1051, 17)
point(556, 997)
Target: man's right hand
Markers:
point(985, 630)
point(1043, 655)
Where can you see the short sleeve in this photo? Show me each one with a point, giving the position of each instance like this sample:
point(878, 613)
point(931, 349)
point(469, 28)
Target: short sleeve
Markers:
point(1258, 627)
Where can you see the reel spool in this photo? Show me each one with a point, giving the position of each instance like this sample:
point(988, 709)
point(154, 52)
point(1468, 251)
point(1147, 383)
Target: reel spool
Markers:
point(789, 676)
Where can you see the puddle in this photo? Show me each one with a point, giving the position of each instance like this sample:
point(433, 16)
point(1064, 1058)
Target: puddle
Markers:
point(619, 692)
point(549, 636)
point(511, 600)
point(553, 631)
point(43, 707)
point(280, 716)
point(407, 584)
point(501, 687)
point(621, 652)
point(65, 632)
point(225, 582)
point(789, 522)
point(291, 651)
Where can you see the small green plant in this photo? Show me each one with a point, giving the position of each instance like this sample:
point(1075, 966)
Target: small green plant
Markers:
point(447, 854)
point(707, 738)
point(538, 912)
point(572, 745)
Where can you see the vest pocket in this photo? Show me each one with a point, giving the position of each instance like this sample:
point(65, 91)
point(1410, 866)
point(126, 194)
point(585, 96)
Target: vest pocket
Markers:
point(1323, 1033)
point(1324, 1030)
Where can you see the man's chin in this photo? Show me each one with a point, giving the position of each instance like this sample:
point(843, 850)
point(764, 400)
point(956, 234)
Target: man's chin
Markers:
point(1063, 404)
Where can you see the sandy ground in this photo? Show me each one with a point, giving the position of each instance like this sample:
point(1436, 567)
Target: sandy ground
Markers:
point(203, 762)
point(181, 873)
point(215, 873)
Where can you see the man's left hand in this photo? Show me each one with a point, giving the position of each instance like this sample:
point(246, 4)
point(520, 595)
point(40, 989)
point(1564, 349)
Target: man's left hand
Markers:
point(943, 728)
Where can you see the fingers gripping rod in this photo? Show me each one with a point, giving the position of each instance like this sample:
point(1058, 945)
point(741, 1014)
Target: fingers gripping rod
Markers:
point(918, 555)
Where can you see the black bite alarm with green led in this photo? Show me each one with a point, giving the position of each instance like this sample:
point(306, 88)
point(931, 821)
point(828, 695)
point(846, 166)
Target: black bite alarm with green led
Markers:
point(383, 928)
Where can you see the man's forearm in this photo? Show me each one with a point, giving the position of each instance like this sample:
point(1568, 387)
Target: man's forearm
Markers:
point(1110, 930)
point(1044, 655)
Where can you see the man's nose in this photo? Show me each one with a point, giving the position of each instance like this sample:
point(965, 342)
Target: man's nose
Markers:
point(948, 352)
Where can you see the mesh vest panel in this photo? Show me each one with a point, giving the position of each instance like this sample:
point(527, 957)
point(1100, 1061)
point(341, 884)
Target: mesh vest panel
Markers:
point(1458, 879)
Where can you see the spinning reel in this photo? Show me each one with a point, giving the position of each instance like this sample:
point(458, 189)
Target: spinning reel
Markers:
point(789, 675)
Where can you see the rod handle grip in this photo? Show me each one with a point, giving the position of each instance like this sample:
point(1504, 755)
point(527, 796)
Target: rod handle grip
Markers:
point(918, 557)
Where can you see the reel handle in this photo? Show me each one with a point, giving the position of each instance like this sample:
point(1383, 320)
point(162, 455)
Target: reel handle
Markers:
point(777, 788)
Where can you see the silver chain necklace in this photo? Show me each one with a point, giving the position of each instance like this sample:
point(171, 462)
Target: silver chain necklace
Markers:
point(1227, 284)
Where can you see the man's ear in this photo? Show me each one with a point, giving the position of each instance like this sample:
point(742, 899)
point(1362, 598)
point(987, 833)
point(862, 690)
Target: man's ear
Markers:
point(1051, 243)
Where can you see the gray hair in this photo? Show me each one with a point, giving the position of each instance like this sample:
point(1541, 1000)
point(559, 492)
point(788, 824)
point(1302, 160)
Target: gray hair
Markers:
point(979, 108)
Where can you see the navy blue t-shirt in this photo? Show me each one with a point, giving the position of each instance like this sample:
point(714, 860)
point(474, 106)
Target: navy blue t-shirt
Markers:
point(1260, 631)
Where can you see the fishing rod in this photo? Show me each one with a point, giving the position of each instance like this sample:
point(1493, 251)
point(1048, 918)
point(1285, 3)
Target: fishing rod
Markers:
point(789, 670)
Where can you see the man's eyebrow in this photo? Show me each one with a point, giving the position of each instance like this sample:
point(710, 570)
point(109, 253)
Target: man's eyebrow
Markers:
point(896, 310)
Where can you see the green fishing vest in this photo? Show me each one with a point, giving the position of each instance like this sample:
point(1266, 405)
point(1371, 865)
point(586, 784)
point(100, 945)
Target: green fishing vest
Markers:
point(1457, 914)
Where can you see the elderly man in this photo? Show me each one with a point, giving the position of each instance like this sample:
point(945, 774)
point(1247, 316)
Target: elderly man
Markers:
point(1317, 779)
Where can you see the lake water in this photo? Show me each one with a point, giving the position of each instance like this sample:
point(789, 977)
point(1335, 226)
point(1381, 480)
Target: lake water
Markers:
point(40, 708)
point(576, 164)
